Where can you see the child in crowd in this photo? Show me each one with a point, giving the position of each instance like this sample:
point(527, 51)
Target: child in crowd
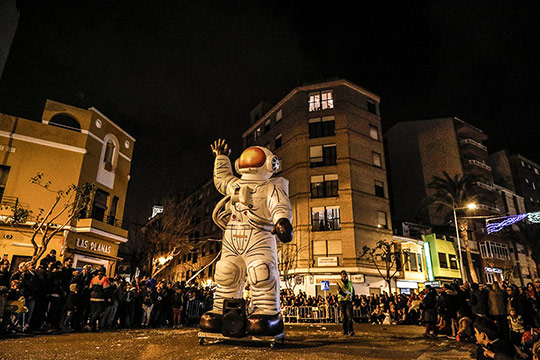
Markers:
point(465, 330)
point(516, 325)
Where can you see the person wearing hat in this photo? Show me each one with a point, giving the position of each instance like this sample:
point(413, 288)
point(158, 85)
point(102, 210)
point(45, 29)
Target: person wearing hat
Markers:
point(345, 296)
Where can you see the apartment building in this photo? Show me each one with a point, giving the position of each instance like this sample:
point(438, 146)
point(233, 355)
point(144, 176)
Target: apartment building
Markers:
point(68, 146)
point(328, 137)
point(420, 150)
point(519, 174)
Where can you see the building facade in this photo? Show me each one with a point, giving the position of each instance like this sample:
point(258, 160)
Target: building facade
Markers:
point(200, 252)
point(328, 137)
point(420, 150)
point(519, 174)
point(70, 146)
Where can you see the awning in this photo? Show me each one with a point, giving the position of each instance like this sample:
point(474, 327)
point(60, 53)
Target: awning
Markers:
point(89, 253)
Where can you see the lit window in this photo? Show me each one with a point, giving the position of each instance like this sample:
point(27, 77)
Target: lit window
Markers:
point(413, 264)
point(523, 163)
point(321, 127)
point(453, 262)
point(373, 132)
point(372, 107)
point(278, 141)
point(279, 115)
point(322, 155)
point(325, 218)
point(376, 159)
point(324, 186)
point(321, 100)
point(379, 188)
point(382, 221)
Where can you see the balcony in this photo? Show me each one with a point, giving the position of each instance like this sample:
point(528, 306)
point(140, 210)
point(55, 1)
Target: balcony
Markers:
point(106, 223)
point(479, 164)
point(485, 207)
point(485, 186)
point(473, 143)
point(7, 203)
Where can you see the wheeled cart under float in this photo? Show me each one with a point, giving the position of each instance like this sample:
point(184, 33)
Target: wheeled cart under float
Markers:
point(213, 338)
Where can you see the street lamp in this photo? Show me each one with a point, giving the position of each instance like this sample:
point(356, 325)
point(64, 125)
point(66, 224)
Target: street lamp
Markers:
point(470, 206)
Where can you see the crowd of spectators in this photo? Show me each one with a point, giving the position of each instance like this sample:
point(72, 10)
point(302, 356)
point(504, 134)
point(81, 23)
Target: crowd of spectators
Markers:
point(500, 311)
point(56, 297)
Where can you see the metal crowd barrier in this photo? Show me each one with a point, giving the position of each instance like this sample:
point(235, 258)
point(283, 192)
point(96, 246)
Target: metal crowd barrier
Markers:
point(318, 314)
point(195, 309)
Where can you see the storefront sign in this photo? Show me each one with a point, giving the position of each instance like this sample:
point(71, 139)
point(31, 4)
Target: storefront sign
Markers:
point(406, 284)
point(493, 270)
point(92, 246)
point(435, 284)
point(358, 278)
point(429, 265)
point(327, 261)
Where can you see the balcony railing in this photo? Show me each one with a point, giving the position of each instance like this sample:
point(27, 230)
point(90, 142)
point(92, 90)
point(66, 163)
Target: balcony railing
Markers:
point(487, 208)
point(479, 164)
point(10, 201)
point(485, 186)
point(474, 143)
point(107, 219)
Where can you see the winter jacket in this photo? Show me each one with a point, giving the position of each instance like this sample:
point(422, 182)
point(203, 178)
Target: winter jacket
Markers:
point(98, 287)
point(497, 302)
point(479, 302)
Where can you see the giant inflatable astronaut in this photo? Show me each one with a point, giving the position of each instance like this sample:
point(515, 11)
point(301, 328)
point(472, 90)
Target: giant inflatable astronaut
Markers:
point(255, 207)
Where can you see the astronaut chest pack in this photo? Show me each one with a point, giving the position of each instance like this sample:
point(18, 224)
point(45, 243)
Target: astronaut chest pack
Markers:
point(249, 215)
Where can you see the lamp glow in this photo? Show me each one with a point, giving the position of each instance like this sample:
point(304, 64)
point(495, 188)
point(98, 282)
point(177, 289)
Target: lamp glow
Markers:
point(471, 206)
point(162, 260)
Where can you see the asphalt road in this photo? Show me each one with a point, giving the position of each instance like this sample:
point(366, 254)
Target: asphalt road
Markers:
point(302, 342)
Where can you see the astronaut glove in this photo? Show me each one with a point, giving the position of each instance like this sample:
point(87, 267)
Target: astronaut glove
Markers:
point(283, 229)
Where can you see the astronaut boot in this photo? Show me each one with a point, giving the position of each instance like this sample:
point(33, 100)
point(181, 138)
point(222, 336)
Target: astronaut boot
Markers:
point(264, 325)
point(211, 322)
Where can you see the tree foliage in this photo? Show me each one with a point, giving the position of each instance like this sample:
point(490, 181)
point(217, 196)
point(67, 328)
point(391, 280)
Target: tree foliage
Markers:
point(387, 258)
point(67, 206)
point(167, 234)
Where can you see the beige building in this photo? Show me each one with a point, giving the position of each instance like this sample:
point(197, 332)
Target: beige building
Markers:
point(69, 146)
point(328, 137)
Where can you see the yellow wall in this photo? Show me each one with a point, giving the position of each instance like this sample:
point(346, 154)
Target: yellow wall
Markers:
point(65, 157)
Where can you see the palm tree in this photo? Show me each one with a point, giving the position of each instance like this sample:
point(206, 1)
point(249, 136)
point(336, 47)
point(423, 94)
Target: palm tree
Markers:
point(455, 193)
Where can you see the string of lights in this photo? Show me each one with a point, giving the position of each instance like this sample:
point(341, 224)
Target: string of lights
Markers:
point(533, 218)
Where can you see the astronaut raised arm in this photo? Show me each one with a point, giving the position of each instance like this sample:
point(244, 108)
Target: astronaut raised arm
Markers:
point(223, 174)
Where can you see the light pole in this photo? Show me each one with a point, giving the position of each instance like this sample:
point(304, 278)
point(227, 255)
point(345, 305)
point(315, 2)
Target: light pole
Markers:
point(471, 206)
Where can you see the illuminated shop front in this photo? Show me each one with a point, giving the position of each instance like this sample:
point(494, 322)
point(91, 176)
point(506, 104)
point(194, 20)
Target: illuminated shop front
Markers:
point(88, 249)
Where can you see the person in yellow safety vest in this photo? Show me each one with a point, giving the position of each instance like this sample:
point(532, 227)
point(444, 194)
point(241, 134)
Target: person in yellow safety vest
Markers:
point(345, 296)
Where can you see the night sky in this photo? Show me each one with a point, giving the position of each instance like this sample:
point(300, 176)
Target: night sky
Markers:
point(178, 74)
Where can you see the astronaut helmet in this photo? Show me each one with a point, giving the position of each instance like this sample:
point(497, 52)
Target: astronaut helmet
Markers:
point(257, 163)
